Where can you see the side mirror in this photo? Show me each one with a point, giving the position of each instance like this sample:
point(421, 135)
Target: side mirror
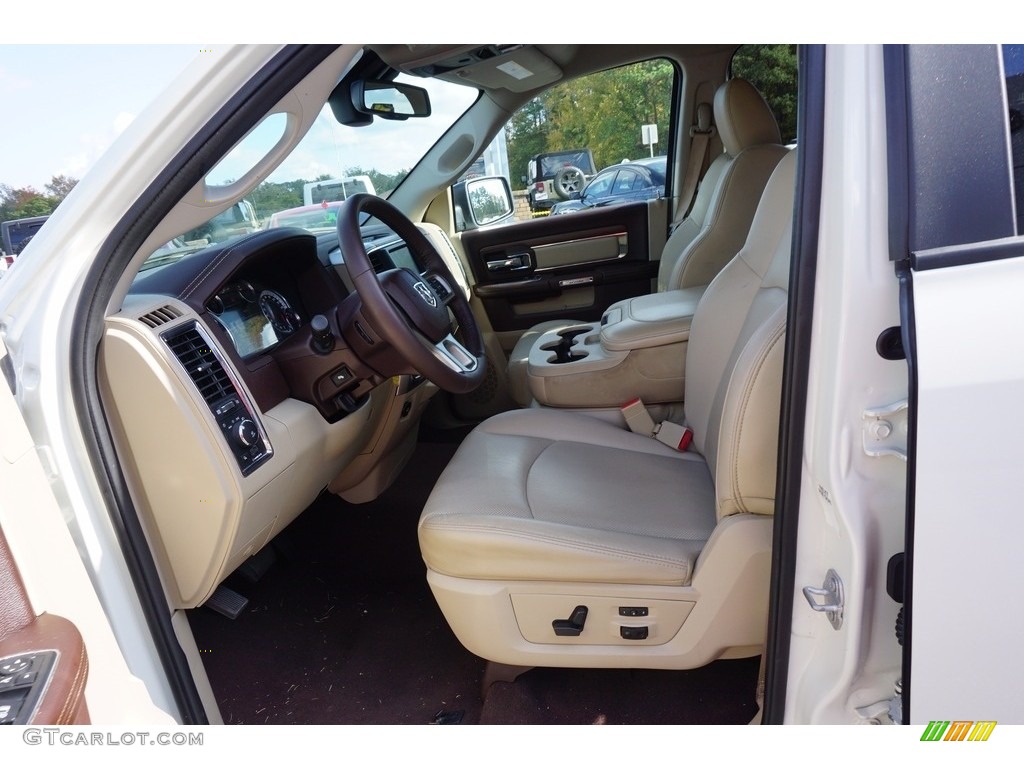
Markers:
point(481, 202)
point(390, 101)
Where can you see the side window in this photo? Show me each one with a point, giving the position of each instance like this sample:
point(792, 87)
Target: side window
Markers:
point(596, 120)
point(625, 182)
point(1013, 67)
point(772, 70)
point(601, 186)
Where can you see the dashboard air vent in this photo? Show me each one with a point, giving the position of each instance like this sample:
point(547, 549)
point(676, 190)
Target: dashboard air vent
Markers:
point(202, 364)
point(158, 317)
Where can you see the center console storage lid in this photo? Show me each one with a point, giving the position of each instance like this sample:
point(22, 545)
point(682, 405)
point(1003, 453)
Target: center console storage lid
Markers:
point(650, 321)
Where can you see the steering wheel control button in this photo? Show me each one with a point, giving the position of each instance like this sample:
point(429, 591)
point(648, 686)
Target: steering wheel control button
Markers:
point(342, 376)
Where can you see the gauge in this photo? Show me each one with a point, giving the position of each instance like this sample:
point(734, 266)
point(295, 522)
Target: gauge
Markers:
point(247, 292)
point(279, 312)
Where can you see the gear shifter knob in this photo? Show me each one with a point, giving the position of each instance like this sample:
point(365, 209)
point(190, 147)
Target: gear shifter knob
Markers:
point(323, 339)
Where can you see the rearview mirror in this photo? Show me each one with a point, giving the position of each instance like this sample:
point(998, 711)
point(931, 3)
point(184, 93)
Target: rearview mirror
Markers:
point(390, 101)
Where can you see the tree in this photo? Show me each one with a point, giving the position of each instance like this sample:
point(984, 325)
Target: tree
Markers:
point(526, 134)
point(602, 112)
point(60, 186)
point(772, 70)
point(23, 203)
point(26, 202)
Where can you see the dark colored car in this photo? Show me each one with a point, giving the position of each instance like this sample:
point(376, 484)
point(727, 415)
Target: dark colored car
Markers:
point(637, 180)
point(15, 234)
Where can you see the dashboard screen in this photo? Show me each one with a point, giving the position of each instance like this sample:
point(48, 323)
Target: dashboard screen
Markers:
point(255, 319)
point(249, 329)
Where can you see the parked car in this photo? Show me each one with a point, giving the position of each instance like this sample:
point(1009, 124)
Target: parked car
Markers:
point(554, 176)
point(16, 234)
point(321, 217)
point(231, 490)
point(642, 179)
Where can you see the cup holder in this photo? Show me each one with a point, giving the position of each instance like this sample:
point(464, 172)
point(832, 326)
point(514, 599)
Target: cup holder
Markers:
point(562, 356)
point(563, 347)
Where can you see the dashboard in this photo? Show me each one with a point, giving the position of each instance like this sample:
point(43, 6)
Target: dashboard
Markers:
point(254, 316)
point(230, 417)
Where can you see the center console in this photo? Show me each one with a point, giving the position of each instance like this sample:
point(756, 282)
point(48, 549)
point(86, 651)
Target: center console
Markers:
point(638, 349)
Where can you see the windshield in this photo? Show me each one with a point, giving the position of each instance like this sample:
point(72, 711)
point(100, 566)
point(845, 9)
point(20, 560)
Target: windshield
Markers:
point(331, 162)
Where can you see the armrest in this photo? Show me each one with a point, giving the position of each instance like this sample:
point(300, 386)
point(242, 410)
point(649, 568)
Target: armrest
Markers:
point(650, 321)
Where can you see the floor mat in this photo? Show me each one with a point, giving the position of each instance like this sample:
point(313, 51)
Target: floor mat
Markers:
point(343, 629)
point(721, 693)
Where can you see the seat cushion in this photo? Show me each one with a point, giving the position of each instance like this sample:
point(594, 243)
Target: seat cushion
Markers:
point(545, 495)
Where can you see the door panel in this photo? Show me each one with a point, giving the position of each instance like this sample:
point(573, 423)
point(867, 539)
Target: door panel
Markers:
point(47, 599)
point(561, 267)
point(966, 660)
point(964, 327)
point(43, 663)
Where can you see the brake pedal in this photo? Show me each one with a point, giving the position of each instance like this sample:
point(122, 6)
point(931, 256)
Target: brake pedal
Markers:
point(227, 602)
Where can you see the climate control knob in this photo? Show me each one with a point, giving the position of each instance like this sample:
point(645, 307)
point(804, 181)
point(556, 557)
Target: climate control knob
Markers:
point(246, 433)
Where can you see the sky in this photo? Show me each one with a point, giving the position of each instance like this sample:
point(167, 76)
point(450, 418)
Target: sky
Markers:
point(61, 106)
point(62, 103)
point(90, 94)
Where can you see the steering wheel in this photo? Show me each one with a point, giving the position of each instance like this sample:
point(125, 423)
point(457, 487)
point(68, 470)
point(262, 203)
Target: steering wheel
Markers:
point(411, 311)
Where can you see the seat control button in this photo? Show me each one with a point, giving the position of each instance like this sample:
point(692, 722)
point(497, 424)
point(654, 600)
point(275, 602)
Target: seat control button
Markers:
point(573, 626)
point(633, 610)
point(633, 633)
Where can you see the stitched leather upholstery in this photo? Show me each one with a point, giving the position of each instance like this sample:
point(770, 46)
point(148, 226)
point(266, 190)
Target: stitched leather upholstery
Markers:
point(550, 495)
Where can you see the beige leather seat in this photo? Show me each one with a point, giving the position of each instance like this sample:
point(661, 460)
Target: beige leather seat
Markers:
point(542, 513)
point(720, 217)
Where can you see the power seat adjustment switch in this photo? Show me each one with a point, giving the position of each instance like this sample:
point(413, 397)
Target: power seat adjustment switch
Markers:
point(633, 632)
point(573, 626)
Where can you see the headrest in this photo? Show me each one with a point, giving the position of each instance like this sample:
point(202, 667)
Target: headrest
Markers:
point(743, 117)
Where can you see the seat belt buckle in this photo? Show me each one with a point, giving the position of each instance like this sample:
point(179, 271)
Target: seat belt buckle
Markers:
point(637, 418)
point(673, 435)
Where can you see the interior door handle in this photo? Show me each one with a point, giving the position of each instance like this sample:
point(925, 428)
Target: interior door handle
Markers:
point(514, 263)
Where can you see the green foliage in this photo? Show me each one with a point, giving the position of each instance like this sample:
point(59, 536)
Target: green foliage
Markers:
point(772, 70)
point(603, 111)
point(26, 202)
point(382, 182)
point(60, 186)
point(270, 197)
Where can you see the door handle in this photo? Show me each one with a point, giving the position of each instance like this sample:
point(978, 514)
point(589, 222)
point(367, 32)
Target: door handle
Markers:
point(514, 263)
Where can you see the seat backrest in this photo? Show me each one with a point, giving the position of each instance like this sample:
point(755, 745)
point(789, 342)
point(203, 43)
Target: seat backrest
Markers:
point(734, 357)
point(717, 224)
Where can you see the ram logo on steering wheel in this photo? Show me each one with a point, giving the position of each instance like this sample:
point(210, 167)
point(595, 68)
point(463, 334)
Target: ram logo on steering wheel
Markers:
point(425, 293)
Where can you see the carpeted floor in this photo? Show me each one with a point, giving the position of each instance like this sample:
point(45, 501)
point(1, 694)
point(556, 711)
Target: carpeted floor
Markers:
point(343, 629)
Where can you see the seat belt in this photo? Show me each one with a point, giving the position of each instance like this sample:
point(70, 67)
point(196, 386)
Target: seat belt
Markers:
point(700, 140)
point(639, 420)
